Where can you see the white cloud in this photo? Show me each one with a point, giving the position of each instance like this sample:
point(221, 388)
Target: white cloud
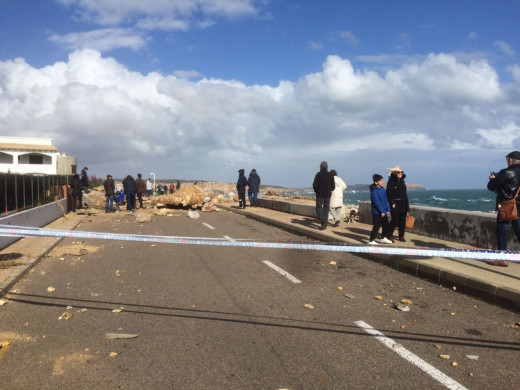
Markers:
point(119, 121)
point(350, 37)
point(103, 40)
point(505, 47)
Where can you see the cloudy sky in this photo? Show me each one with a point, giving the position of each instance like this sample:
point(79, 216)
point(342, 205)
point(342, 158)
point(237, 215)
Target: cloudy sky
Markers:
point(196, 89)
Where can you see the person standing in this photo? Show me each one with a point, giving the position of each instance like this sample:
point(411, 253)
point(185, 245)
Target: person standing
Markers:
point(398, 199)
point(336, 199)
point(141, 188)
point(84, 180)
point(149, 187)
point(178, 186)
point(380, 210)
point(254, 187)
point(76, 192)
point(241, 189)
point(506, 184)
point(323, 186)
point(110, 190)
point(130, 189)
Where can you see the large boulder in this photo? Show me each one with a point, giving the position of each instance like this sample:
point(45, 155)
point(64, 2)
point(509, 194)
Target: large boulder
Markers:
point(186, 196)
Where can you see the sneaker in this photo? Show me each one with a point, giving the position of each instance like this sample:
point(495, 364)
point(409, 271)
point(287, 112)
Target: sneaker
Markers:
point(372, 243)
point(385, 240)
point(336, 224)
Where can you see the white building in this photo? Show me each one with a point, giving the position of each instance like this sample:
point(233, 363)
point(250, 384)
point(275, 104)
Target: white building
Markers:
point(33, 155)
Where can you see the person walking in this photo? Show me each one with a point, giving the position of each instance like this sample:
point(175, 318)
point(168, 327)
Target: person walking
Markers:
point(141, 188)
point(84, 180)
point(506, 185)
point(241, 189)
point(380, 210)
point(110, 189)
point(130, 189)
point(76, 192)
point(323, 186)
point(149, 187)
point(254, 187)
point(336, 198)
point(398, 199)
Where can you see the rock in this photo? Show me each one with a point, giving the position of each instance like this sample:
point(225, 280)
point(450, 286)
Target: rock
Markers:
point(193, 214)
point(186, 196)
point(142, 218)
point(113, 336)
point(206, 207)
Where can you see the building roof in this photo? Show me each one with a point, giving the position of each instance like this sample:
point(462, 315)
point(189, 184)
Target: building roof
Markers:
point(28, 147)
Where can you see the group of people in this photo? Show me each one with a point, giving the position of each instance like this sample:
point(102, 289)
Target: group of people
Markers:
point(389, 207)
point(253, 182)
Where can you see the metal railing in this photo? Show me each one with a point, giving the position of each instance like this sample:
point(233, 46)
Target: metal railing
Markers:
point(24, 191)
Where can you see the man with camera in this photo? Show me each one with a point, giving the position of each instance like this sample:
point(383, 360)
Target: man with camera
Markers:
point(506, 184)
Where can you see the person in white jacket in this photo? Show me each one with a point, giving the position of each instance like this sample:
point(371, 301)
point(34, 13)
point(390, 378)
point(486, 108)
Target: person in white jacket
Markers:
point(336, 200)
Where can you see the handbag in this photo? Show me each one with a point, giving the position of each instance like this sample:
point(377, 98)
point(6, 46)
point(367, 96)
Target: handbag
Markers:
point(409, 222)
point(507, 210)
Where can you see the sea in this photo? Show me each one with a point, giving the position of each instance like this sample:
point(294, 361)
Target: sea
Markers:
point(468, 200)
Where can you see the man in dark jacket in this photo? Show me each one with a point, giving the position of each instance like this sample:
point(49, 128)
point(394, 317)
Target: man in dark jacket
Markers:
point(84, 180)
point(254, 187)
point(130, 189)
point(505, 183)
point(141, 188)
point(323, 186)
point(241, 188)
point(76, 192)
point(110, 190)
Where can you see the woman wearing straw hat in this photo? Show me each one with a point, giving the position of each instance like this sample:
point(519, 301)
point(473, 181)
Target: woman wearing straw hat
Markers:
point(398, 199)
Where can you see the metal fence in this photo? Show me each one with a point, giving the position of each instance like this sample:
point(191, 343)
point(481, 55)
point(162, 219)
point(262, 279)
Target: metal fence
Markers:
point(24, 191)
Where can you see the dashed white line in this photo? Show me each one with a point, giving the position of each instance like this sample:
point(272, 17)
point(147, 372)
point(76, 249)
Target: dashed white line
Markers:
point(208, 226)
point(282, 272)
point(412, 358)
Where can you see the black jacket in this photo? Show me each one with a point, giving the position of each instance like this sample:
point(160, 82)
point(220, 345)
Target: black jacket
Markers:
point(110, 187)
point(506, 183)
point(396, 193)
point(129, 185)
point(242, 181)
point(76, 187)
point(323, 184)
point(254, 182)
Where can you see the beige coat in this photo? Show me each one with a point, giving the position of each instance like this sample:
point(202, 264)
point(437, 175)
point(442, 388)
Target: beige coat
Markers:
point(336, 199)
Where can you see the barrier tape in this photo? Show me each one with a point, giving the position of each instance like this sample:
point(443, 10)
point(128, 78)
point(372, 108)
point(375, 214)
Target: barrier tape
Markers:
point(474, 254)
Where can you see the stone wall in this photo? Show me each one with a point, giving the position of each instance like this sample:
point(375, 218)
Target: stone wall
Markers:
point(469, 227)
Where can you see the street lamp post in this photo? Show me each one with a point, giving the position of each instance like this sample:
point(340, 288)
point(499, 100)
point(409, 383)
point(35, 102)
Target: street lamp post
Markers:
point(153, 190)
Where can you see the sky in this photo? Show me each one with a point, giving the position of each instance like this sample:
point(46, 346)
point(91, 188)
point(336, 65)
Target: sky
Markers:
point(197, 89)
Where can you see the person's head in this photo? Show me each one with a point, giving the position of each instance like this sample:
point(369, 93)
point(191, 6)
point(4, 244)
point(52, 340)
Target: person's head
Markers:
point(333, 172)
point(241, 171)
point(76, 176)
point(513, 158)
point(139, 175)
point(85, 169)
point(324, 166)
point(377, 179)
point(396, 171)
point(109, 176)
point(253, 170)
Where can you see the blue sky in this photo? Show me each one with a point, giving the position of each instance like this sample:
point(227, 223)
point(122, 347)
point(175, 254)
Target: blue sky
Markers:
point(198, 89)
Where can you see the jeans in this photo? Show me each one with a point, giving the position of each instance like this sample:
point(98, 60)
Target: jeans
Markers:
point(322, 208)
point(502, 228)
point(85, 190)
point(109, 204)
point(253, 196)
point(130, 201)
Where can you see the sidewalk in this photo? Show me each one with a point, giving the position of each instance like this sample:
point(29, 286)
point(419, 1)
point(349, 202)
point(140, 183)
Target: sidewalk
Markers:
point(500, 285)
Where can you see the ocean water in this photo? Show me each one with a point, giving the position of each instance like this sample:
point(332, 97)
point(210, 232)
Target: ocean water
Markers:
point(468, 200)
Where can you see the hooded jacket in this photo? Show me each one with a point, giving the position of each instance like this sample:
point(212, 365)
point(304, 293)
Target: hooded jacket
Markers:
point(129, 185)
point(254, 182)
point(396, 194)
point(336, 199)
point(242, 181)
point(379, 201)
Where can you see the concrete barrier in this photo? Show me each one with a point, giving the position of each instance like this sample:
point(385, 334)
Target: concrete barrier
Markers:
point(474, 228)
point(34, 217)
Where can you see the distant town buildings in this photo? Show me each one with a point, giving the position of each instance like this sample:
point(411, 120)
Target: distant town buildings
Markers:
point(34, 155)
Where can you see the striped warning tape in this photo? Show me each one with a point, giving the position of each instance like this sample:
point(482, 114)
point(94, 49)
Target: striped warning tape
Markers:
point(474, 254)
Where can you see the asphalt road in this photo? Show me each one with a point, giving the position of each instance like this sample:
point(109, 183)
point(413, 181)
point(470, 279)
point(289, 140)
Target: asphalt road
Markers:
point(221, 318)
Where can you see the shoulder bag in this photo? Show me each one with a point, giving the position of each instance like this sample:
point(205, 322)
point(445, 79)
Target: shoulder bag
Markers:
point(507, 210)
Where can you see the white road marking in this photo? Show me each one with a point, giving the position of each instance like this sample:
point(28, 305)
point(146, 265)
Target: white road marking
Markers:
point(282, 272)
point(414, 359)
point(230, 239)
point(208, 226)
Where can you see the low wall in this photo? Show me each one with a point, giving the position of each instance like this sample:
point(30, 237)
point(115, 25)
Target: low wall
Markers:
point(34, 217)
point(474, 228)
